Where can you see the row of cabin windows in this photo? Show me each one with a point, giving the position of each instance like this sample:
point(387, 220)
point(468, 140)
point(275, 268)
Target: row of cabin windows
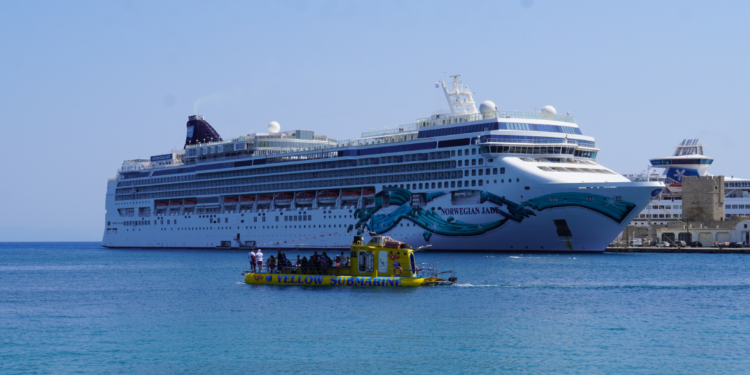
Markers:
point(296, 185)
point(659, 216)
point(473, 162)
point(479, 172)
point(297, 177)
point(297, 167)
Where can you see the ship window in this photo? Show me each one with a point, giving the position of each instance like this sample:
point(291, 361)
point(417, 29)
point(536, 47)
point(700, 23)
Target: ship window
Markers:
point(460, 163)
point(473, 172)
point(480, 182)
point(473, 183)
point(460, 183)
point(168, 221)
point(460, 153)
point(473, 151)
point(473, 161)
point(480, 172)
point(453, 184)
point(502, 170)
point(440, 185)
point(481, 161)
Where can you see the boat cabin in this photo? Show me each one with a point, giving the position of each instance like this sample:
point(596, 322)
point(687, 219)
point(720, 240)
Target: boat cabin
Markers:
point(382, 256)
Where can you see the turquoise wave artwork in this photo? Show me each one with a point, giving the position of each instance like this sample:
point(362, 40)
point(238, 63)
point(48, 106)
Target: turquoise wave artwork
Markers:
point(432, 221)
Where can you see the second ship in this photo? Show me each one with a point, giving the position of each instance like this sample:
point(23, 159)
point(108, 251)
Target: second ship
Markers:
point(467, 179)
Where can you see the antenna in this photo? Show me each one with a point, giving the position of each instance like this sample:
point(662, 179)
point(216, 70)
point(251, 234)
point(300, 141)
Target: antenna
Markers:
point(460, 99)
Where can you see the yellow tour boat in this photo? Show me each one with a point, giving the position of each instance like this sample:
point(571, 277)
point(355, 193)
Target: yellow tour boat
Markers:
point(381, 262)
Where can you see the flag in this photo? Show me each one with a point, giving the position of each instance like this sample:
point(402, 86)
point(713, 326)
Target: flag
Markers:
point(437, 86)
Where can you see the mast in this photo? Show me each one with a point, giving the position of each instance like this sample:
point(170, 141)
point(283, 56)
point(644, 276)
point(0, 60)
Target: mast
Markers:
point(460, 99)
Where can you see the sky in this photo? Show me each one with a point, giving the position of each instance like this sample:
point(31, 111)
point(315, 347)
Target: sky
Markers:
point(86, 85)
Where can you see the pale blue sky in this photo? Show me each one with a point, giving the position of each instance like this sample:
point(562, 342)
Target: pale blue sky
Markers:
point(86, 85)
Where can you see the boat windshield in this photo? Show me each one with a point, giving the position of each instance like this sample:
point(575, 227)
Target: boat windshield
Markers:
point(377, 241)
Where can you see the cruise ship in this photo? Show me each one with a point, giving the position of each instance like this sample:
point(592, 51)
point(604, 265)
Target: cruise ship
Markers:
point(688, 159)
point(466, 179)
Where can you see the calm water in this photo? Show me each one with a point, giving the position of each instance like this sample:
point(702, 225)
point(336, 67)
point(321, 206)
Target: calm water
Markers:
point(80, 308)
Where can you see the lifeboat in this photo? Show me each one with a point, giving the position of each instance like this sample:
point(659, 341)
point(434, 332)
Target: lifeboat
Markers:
point(304, 196)
point(675, 188)
point(265, 199)
point(161, 204)
point(380, 263)
point(351, 195)
point(189, 202)
point(230, 201)
point(283, 198)
point(246, 200)
point(327, 196)
point(175, 204)
point(368, 191)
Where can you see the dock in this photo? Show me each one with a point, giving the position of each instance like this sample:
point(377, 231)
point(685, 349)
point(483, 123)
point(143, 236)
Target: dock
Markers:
point(680, 250)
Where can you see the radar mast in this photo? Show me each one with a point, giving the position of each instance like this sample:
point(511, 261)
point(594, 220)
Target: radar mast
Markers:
point(459, 97)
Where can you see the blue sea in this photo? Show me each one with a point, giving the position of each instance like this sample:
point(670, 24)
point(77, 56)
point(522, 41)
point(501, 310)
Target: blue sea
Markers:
point(81, 308)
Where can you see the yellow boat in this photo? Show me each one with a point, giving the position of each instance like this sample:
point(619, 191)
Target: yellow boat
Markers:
point(381, 262)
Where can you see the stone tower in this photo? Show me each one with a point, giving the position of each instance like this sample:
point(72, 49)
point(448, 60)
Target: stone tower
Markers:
point(703, 198)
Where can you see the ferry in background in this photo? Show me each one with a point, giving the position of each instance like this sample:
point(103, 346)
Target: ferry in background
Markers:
point(465, 180)
point(687, 160)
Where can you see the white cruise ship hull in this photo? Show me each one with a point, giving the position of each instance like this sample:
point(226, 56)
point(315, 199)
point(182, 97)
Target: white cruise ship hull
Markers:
point(447, 222)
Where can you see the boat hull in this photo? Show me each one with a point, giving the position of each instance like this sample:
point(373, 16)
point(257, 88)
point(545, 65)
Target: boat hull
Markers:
point(328, 280)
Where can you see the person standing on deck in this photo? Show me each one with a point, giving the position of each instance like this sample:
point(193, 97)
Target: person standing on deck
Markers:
point(251, 257)
point(259, 260)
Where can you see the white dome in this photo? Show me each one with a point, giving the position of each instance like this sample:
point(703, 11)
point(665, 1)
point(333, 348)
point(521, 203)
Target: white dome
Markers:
point(487, 106)
point(549, 109)
point(274, 127)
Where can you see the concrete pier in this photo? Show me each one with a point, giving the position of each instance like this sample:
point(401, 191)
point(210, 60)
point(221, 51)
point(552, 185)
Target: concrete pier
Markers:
point(680, 250)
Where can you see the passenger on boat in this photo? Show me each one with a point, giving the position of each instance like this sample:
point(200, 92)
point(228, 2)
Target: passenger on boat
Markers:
point(305, 265)
point(325, 262)
point(343, 260)
point(271, 264)
point(287, 262)
point(315, 262)
point(251, 258)
point(298, 265)
point(259, 260)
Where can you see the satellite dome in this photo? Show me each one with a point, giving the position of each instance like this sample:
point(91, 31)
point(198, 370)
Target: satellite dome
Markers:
point(487, 106)
point(274, 127)
point(549, 109)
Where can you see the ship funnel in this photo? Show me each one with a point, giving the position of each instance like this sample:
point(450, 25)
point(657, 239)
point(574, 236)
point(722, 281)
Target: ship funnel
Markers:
point(200, 131)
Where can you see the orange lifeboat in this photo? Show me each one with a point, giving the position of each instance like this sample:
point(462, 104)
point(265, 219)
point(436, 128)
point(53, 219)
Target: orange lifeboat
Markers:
point(327, 196)
point(351, 195)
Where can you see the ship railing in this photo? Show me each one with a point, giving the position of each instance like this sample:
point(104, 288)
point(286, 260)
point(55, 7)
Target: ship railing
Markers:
point(397, 129)
point(438, 119)
point(528, 141)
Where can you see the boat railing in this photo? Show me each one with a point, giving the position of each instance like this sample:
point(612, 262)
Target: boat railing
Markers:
point(436, 268)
